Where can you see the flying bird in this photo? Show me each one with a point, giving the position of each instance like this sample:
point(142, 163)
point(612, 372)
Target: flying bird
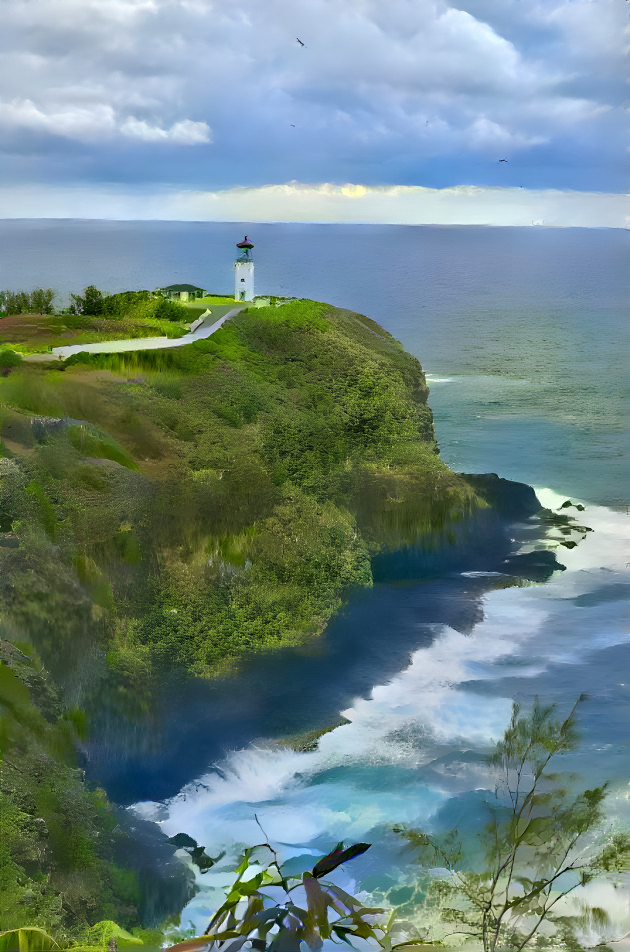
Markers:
point(502, 160)
point(300, 41)
point(292, 124)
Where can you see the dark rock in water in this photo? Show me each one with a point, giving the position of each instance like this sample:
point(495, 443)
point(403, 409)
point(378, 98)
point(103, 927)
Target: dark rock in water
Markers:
point(182, 841)
point(535, 566)
point(482, 542)
point(197, 854)
point(507, 497)
point(567, 504)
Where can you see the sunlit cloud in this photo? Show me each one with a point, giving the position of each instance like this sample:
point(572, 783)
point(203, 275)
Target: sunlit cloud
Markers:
point(411, 205)
point(328, 202)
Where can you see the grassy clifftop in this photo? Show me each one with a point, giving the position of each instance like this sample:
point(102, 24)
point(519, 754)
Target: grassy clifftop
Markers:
point(187, 506)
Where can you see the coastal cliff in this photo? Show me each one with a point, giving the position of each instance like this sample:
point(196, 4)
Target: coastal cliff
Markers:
point(183, 510)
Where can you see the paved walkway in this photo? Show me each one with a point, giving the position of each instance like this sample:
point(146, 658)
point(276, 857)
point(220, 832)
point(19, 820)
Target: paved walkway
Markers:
point(144, 343)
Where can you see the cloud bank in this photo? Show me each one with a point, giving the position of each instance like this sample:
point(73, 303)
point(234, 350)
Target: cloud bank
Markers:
point(404, 205)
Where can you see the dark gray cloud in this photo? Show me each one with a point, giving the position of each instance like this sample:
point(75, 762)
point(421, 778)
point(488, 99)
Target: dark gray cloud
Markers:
point(209, 94)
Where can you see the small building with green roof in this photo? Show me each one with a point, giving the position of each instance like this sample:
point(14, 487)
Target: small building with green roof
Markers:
point(182, 292)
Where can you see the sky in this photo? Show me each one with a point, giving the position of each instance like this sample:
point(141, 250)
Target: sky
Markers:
point(444, 111)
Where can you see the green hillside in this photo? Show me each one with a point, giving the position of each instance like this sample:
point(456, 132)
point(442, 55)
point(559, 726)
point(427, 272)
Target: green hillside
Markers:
point(182, 507)
point(195, 504)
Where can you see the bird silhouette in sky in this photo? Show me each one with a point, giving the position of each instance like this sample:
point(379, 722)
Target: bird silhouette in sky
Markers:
point(300, 41)
point(502, 160)
point(292, 124)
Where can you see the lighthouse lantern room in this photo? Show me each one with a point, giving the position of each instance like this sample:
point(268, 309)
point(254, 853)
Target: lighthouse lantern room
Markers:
point(244, 272)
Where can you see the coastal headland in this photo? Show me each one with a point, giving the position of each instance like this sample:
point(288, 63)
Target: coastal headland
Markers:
point(168, 519)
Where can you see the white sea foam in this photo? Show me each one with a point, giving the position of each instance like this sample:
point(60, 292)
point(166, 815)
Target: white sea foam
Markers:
point(481, 574)
point(431, 379)
point(388, 764)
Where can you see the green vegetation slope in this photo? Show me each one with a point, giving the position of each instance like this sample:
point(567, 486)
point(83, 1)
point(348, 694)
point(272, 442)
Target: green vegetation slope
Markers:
point(64, 855)
point(187, 506)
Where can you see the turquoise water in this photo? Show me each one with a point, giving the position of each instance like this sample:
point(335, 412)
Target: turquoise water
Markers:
point(524, 336)
point(410, 752)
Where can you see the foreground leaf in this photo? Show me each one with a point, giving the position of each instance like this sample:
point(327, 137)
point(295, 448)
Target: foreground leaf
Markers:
point(336, 858)
point(27, 940)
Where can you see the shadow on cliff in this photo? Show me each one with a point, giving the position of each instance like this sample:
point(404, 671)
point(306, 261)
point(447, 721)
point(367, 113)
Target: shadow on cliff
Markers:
point(293, 690)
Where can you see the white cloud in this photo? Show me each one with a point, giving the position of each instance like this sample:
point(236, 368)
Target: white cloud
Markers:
point(486, 134)
point(185, 132)
point(75, 123)
point(97, 123)
point(592, 30)
point(86, 14)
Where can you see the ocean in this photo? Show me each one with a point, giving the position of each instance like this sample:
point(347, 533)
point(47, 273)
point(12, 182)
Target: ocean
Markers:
point(523, 335)
point(528, 325)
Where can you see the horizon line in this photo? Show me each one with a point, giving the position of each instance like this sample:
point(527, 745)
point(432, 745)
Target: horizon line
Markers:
point(300, 221)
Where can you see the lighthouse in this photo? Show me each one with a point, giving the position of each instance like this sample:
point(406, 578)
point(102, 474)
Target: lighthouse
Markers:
point(244, 272)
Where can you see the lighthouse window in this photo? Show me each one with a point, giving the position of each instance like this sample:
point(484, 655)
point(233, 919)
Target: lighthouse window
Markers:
point(243, 280)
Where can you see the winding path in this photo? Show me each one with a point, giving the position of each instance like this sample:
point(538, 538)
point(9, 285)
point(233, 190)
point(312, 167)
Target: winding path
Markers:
point(146, 343)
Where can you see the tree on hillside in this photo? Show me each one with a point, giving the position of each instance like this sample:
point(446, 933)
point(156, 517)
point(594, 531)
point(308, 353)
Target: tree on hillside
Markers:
point(91, 302)
point(42, 301)
point(143, 304)
point(135, 305)
point(38, 301)
point(539, 845)
point(17, 302)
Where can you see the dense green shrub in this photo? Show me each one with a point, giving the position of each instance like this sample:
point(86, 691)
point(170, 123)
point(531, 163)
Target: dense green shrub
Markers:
point(91, 302)
point(58, 838)
point(134, 305)
point(8, 360)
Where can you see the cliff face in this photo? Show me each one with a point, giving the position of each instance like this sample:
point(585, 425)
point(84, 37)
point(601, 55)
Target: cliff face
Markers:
point(68, 857)
point(189, 506)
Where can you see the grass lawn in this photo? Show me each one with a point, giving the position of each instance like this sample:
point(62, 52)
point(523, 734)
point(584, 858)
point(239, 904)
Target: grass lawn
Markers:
point(211, 299)
point(34, 333)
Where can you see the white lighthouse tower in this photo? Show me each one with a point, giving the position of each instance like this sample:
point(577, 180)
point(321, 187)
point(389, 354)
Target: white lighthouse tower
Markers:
point(244, 272)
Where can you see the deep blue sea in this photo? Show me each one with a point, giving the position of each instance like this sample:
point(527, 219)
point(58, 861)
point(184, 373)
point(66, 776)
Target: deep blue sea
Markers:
point(529, 325)
point(523, 334)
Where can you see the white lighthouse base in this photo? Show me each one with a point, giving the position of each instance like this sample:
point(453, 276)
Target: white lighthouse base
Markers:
point(243, 280)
